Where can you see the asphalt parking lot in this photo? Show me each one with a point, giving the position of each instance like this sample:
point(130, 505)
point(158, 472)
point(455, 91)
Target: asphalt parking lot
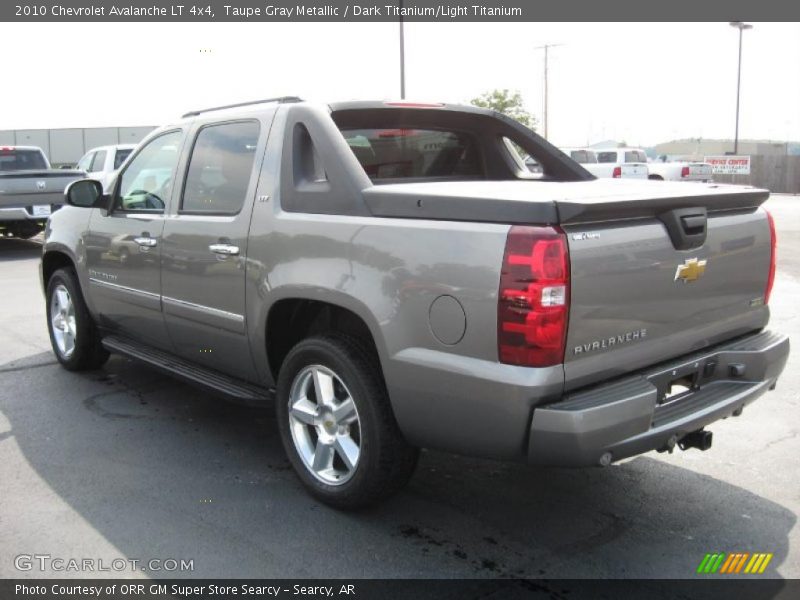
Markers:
point(128, 463)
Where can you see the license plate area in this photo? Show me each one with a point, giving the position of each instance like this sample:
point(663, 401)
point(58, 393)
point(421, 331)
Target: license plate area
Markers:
point(41, 210)
point(679, 388)
point(677, 383)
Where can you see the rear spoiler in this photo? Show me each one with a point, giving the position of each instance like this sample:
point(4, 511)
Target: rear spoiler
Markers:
point(607, 209)
point(416, 204)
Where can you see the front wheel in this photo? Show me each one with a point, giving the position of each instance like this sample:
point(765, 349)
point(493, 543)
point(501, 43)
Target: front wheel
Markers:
point(73, 336)
point(337, 425)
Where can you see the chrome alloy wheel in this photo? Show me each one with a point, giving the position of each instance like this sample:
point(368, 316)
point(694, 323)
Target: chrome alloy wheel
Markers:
point(325, 425)
point(62, 320)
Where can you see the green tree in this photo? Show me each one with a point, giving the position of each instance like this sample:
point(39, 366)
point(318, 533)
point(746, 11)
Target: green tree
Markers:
point(507, 102)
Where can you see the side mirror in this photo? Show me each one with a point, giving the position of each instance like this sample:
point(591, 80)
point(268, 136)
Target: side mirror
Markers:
point(85, 193)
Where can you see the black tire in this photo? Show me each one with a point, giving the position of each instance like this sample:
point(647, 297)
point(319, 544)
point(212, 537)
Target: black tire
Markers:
point(26, 231)
point(655, 177)
point(386, 460)
point(88, 352)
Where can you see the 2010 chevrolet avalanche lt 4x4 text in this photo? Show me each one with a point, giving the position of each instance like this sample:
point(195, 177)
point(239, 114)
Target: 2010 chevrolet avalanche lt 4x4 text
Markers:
point(396, 278)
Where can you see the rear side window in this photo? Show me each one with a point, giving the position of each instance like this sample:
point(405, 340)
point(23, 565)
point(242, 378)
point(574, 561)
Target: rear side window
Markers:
point(414, 153)
point(21, 160)
point(632, 156)
point(220, 168)
point(99, 161)
point(120, 157)
point(607, 157)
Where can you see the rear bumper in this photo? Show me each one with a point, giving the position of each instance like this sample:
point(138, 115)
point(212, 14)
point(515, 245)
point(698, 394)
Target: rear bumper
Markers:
point(624, 418)
point(19, 214)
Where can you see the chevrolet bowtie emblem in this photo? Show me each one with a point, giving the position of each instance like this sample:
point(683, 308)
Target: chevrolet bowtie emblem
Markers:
point(691, 270)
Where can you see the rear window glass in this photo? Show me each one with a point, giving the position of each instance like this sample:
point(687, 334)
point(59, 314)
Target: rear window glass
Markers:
point(21, 160)
point(414, 153)
point(583, 156)
point(120, 157)
point(635, 156)
point(607, 157)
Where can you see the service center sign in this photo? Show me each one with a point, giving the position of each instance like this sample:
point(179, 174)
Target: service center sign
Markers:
point(729, 165)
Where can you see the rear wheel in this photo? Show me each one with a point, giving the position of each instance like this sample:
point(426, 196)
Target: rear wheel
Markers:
point(337, 425)
point(73, 335)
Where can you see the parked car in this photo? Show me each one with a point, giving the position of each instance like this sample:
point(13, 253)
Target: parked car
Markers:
point(29, 189)
point(626, 163)
point(663, 170)
point(102, 163)
point(395, 278)
point(616, 163)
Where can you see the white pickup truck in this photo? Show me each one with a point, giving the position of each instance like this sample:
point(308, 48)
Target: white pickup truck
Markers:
point(617, 163)
point(103, 162)
point(661, 170)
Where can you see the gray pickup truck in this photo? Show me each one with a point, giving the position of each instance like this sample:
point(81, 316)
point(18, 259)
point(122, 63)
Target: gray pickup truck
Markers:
point(394, 277)
point(29, 189)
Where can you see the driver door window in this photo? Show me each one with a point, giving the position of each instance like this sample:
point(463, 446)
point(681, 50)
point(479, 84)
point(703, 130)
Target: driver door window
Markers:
point(146, 184)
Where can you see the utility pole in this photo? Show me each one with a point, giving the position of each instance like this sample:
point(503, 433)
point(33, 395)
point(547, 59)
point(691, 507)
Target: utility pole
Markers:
point(546, 49)
point(402, 56)
point(741, 27)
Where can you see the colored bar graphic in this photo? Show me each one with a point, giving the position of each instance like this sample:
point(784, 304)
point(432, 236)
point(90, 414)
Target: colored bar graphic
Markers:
point(734, 563)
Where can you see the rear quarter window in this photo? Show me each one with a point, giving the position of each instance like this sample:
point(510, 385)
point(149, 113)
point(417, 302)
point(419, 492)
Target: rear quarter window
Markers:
point(120, 157)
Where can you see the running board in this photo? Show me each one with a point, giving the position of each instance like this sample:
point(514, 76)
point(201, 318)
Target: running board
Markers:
point(231, 388)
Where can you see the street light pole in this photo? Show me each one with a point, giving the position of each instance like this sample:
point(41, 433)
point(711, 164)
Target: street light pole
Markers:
point(741, 27)
point(546, 48)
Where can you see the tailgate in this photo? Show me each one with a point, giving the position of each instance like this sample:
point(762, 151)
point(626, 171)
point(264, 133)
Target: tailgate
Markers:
point(27, 188)
point(635, 170)
point(637, 300)
point(700, 172)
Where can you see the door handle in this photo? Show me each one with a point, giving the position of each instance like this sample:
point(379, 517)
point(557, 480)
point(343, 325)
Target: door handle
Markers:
point(224, 249)
point(146, 241)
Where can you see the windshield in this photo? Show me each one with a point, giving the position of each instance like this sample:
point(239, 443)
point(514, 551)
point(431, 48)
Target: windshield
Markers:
point(12, 159)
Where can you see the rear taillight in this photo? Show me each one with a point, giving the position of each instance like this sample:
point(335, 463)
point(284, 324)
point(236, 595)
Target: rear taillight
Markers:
point(617, 172)
point(684, 171)
point(773, 244)
point(533, 303)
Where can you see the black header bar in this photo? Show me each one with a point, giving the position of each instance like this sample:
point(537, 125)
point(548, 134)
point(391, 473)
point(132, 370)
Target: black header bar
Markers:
point(367, 11)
